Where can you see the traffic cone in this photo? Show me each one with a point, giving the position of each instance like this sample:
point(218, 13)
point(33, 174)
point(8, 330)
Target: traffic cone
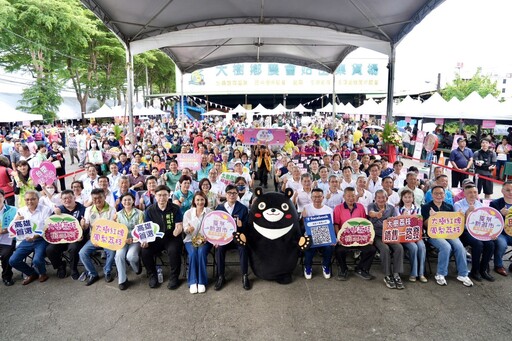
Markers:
point(441, 159)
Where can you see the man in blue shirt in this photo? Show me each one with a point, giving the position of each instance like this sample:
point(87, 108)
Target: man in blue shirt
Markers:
point(461, 158)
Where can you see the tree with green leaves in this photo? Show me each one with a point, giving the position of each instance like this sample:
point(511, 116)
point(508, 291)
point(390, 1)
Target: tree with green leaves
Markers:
point(461, 88)
point(37, 38)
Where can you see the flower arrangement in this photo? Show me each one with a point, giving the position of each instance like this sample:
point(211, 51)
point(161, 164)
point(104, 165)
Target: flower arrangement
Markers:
point(391, 136)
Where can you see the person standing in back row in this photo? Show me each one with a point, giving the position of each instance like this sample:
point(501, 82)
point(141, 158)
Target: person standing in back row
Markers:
point(461, 159)
point(485, 163)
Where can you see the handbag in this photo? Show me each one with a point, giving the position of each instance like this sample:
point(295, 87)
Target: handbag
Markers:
point(199, 239)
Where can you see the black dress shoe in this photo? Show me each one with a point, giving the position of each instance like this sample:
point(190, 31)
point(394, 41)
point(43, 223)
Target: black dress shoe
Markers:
point(123, 286)
point(61, 271)
point(108, 277)
point(221, 280)
point(245, 282)
point(91, 280)
point(487, 276)
point(8, 282)
point(173, 284)
point(475, 276)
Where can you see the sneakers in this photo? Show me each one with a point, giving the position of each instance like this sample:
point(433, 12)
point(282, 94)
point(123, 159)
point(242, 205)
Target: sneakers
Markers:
point(342, 275)
point(326, 271)
point(83, 276)
point(108, 277)
point(398, 282)
point(308, 272)
point(123, 286)
point(75, 276)
point(201, 288)
point(466, 281)
point(440, 280)
point(412, 279)
point(390, 283)
point(364, 274)
point(423, 279)
point(193, 289)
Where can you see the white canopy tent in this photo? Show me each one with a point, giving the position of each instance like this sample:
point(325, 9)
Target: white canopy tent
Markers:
point(281, 109)
point(301, 109)
point(408, 107)
point(104, 111)
point(214, 113)
point(9, 114)
point(238, 110)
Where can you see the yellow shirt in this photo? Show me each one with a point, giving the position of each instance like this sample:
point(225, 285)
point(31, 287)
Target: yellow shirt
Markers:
point(288, 147)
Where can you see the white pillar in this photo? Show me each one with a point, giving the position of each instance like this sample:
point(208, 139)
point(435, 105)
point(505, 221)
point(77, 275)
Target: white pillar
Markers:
point(129, 89)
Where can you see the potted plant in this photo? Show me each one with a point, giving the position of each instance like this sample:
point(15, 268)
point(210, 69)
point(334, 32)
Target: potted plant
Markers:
point(392, 140)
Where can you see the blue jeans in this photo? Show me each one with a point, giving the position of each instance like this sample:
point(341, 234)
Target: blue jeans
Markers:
point(500, 247)
point(445, 247)
point(130, 253)
point(499, 165)
point(85, 257)
point(326, 257)
point(417, 255)
point(197, 260)
point(38, 247)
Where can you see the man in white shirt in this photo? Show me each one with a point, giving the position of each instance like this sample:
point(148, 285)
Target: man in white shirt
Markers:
point(374, 181)
point(113, 177)
point(90, 181)
point(218, 187)
point(302, 197)
point(363, 196)
point(317, 208)
point(387, 186)
point(292, 181)
point(411, 180)
point(397, 175)
point(37, 214)
point(334, 196)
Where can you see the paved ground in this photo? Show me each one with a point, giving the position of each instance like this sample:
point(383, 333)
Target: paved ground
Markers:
point(317, 309)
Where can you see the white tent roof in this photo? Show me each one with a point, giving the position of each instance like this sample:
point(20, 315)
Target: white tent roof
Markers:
point(104, 111)
point(327, 108)
point(259, 109)
point(214, 113)
point(280, 109)
point(350, 109)
point(369, 107)
point(408, 107)
point(238, 110)
point(301, 109)
point(198, 34)
point(434, 106)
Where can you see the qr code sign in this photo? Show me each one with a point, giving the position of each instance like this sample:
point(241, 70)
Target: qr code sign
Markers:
point(321, 235)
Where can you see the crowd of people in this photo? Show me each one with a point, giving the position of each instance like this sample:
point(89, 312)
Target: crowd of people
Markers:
point(333, 168)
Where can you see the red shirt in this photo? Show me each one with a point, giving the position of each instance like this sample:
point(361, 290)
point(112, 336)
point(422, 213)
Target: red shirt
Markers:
point(342, 213)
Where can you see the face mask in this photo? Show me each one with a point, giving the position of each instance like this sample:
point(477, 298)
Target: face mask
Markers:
point(112, 138)
point(148, 157)
point(93, 145)
point(241, 188)
point(174, 141)
point(279, 157)
point(50, 190)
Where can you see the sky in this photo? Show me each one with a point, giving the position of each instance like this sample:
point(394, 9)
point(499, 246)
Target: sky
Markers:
point(472, 32)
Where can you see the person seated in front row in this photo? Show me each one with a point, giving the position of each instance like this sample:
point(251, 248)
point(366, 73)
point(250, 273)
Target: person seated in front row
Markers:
point(314, 209)
point(170, 219)
point(379, 211)
point(445, 246)
point(343, 212)
point(37, 214)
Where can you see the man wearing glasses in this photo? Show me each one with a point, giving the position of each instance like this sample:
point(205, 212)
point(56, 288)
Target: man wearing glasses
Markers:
point(54, 251)
point(170, 219)
point(240, 213)
point(37, 214)
point(100, 209)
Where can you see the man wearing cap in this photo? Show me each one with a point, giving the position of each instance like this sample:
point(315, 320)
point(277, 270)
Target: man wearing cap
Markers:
point(461, 195)
point(461, 158)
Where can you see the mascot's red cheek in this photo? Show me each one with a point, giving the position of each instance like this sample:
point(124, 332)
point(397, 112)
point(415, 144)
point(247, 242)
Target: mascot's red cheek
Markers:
point(257, 215)
point(288, 216)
